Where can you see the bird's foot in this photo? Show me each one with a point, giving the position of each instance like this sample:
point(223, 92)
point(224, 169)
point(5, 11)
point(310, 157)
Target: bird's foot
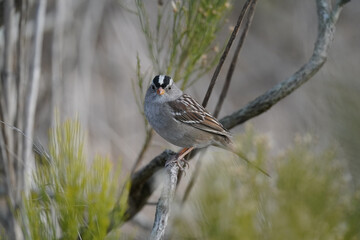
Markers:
point(180, 162)
point(180, 159)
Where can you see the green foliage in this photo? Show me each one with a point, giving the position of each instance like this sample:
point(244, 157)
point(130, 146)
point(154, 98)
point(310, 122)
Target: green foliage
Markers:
point(342, 98)
point(307, 197)
point(183, 41)
point(72, 198)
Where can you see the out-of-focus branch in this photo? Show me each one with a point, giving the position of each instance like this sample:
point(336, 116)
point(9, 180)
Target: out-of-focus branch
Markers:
point(56, 55)
point(327, 20)
point(192, 181)
point(234, 59)
point(89, 34)
point(225, 53)
point(142, 186)
point(249, 4)
point(18, 94)
point(326, 30)
point(33, 87)
point(142, 183)
point(224, 91)
point(8, 177)
point(149, 134)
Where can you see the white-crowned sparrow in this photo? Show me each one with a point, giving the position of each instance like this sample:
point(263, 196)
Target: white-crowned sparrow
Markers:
point(180, 119)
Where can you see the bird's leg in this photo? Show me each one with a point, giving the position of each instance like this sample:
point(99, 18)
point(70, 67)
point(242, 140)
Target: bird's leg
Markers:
point(180, 157)
point(184, 152)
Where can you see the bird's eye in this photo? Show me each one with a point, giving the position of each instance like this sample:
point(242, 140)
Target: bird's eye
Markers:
point(169, 88)
point(152, 87)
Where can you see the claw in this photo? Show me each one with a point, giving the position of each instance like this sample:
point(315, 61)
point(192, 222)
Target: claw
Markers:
point(180, 158)
point(179, 162)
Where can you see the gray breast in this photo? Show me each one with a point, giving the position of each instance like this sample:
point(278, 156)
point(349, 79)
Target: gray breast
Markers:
point(158, 119)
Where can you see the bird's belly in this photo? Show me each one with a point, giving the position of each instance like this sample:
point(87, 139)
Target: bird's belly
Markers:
point(158, 120)
point(164, 124)
point(175, 132)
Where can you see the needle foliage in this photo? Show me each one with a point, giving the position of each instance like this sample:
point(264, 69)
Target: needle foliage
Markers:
point(72, 198)
point(182, 40)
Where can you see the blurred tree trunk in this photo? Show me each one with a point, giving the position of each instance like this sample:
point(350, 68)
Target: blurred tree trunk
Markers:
point(20, 74)
point(10, 148)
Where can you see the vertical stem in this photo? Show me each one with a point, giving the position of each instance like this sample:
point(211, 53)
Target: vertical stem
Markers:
point(149, 134)
point(33, 88)
point(56, 56)
point(8, 108)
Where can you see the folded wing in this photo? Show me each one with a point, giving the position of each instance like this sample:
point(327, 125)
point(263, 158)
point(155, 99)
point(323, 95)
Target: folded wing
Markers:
point(186, 110)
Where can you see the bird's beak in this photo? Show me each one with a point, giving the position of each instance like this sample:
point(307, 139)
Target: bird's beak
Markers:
point(160, 91)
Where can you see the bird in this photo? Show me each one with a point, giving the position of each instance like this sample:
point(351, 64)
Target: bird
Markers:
point(180, 119)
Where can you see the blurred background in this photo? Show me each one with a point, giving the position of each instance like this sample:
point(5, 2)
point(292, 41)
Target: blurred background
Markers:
point(96, 62)
point(89, 61)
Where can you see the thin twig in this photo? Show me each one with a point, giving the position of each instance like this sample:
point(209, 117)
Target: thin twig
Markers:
point(192, 181)
point(222, 60)
point(225, 53)
point(149, 134)
point(234, 59)
point(224, 91)
point(33, 88)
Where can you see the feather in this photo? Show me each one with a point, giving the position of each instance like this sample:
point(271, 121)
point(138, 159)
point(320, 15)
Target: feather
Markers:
point(187, 110)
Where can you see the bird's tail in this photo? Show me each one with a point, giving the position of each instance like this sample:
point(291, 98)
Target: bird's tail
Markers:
point(232, 147)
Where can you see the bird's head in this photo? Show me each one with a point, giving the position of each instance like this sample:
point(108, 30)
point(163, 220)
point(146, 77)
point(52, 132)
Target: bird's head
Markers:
point(164, 89)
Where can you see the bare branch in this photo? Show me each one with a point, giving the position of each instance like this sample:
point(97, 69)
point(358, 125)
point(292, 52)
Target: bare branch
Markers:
point(232, 66)
point(326, 27)
point(234, 59)
point(225, 53)
point(21, 68)
point(192, 181)
point(164, 205)
point(142, 183)
point(56, 56)
point(224, 92)
point(149, 134)
point(342, 2)
point(8, 177)
point(33, 87)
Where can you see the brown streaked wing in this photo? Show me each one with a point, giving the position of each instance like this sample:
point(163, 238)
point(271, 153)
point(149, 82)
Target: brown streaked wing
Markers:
point(184, 113)
point(188, 111)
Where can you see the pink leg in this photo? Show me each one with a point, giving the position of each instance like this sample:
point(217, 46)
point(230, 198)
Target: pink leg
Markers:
point(184, 152)
point(180, 157)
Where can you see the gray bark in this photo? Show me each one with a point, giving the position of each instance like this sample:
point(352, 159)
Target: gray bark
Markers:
point(18, 97)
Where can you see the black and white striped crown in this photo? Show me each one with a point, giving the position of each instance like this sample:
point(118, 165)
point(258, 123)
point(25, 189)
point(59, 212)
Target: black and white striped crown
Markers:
point(162, 81)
